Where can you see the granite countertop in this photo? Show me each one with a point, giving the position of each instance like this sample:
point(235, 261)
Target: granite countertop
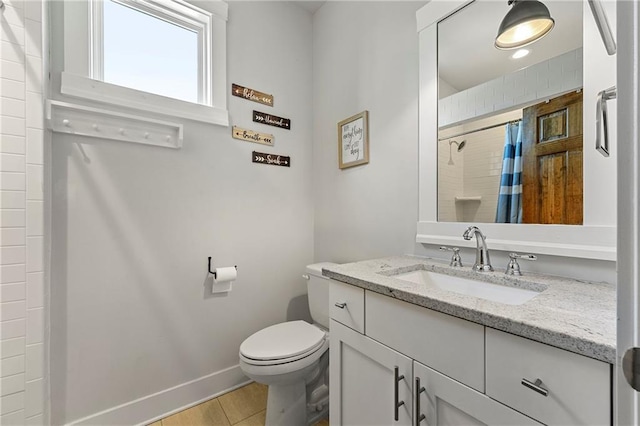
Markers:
point(578, 316)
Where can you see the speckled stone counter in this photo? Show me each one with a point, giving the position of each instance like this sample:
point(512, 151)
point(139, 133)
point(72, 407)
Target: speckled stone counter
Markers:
point(574, 315)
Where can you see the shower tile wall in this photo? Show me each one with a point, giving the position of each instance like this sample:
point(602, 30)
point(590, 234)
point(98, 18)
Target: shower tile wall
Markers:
point(475, 172)
point(482, 168)
point(22, 297)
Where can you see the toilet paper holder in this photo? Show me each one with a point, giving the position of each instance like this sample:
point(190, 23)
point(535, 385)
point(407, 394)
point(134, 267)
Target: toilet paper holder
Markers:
point(214, 272)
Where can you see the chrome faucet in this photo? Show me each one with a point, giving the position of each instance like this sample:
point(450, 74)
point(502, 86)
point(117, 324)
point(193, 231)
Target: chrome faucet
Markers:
point(483, 263)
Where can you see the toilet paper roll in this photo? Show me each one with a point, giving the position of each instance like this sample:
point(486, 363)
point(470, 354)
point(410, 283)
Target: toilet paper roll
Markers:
point(226, 274)
point(224, 279)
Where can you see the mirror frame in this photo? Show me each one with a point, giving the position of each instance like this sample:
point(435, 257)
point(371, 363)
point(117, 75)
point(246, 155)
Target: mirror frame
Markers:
point(583, 241)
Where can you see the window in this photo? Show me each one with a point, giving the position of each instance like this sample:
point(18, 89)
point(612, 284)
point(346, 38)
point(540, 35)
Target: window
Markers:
point(144, 52)
point(159, 56)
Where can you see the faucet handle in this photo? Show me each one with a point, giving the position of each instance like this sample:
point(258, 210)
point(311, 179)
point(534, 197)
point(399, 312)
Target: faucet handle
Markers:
point(514, 268)
point(456, 260)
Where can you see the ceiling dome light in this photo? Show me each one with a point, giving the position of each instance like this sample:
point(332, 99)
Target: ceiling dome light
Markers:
point(526, 22)
point(520, 54)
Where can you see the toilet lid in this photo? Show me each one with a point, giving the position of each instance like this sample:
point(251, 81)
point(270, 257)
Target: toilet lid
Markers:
point(284, 340)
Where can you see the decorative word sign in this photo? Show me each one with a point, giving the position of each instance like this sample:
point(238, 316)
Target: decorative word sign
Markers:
point(273, 159)
point(271, 120)
point(252, 95)
point(251, 136)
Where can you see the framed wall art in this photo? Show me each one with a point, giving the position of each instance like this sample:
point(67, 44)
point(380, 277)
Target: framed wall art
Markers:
point(353, 140)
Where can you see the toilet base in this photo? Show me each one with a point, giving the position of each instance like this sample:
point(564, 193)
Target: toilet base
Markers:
point(286, 405)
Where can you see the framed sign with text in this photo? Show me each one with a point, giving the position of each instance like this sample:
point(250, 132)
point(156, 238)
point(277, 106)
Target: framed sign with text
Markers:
point(353, 140)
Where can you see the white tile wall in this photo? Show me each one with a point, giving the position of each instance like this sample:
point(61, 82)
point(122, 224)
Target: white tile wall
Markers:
point(470, 176)
point(12, 292)
point(12, 384)
point(11, 200)
point(12, 144)
point(11, 237)
point(12, 330)
point(14, 418)
point(12, 366)
point(537, 82)
point(12, 274)
point(22, 303)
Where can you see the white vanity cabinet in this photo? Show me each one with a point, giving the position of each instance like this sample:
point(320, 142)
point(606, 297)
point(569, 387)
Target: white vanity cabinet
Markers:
point(370, 382)
point(393, 358)
point(446, 402)
point(573, 389)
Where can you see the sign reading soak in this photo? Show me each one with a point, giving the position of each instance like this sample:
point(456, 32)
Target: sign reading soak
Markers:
point(271, 120)
point(251, 136)
point(252, 95)
point(272, 159)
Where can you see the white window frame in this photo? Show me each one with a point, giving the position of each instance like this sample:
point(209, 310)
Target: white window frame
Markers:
point(83, 58)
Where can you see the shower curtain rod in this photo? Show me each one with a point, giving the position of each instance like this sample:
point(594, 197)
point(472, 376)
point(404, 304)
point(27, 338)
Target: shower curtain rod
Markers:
point(478, 130)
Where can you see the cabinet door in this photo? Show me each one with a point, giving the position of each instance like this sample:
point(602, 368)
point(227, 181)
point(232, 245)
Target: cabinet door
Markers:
point(365, 387)
point(445, 402)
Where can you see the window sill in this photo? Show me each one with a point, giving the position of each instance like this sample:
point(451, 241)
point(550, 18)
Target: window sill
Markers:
point(117, 96)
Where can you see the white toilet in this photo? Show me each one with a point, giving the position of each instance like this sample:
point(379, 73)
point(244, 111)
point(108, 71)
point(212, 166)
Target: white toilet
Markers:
point(292, 358)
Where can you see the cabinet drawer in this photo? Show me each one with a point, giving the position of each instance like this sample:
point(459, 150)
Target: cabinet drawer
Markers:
point(579, 388)
point(452, 346)
point(346, 305)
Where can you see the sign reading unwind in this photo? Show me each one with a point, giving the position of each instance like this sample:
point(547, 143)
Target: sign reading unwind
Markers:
point(271, 120)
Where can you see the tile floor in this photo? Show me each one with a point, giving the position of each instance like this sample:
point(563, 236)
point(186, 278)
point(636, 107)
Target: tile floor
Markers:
point(245, 406)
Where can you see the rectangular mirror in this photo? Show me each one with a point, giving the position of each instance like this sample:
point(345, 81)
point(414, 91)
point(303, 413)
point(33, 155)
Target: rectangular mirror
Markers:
point(448, 113)
point(510, 139)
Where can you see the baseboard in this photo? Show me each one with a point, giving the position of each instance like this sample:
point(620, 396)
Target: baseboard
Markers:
point(150, 408)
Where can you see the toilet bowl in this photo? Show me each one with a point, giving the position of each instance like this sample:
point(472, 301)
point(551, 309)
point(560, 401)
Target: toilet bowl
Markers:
point(292, 358)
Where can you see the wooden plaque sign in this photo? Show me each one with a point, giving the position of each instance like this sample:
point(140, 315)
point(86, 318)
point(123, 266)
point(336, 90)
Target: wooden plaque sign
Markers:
point(271, 120)
point(252, 95)
point(272, 159)
point(251, 136)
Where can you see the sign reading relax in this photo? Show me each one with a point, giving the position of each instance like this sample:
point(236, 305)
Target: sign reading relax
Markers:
point(252, 95)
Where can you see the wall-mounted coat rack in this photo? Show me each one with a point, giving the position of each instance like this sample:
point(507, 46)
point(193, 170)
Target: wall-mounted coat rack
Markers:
point(76, 119)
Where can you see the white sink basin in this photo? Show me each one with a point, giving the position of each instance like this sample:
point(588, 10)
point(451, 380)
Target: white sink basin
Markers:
point(494, 292)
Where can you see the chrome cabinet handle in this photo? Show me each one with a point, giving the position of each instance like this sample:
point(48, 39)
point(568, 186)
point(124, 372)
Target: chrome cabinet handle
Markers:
point(602, 126)
point(419, 417)
point(306, 277)
point(340, 305)
point(535, 386)
point(396, 392)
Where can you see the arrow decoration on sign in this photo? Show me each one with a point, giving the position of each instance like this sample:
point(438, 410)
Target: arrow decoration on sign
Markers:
point(271, 120)
point(271, 159)
point(251, 136)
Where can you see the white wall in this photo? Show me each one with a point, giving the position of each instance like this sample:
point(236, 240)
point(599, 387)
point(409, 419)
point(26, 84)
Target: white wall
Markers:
point(133, 226)
point(365, 57)
point(23, 372)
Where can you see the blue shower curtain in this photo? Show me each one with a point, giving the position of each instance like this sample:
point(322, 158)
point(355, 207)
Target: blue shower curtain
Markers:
point(510, 196)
